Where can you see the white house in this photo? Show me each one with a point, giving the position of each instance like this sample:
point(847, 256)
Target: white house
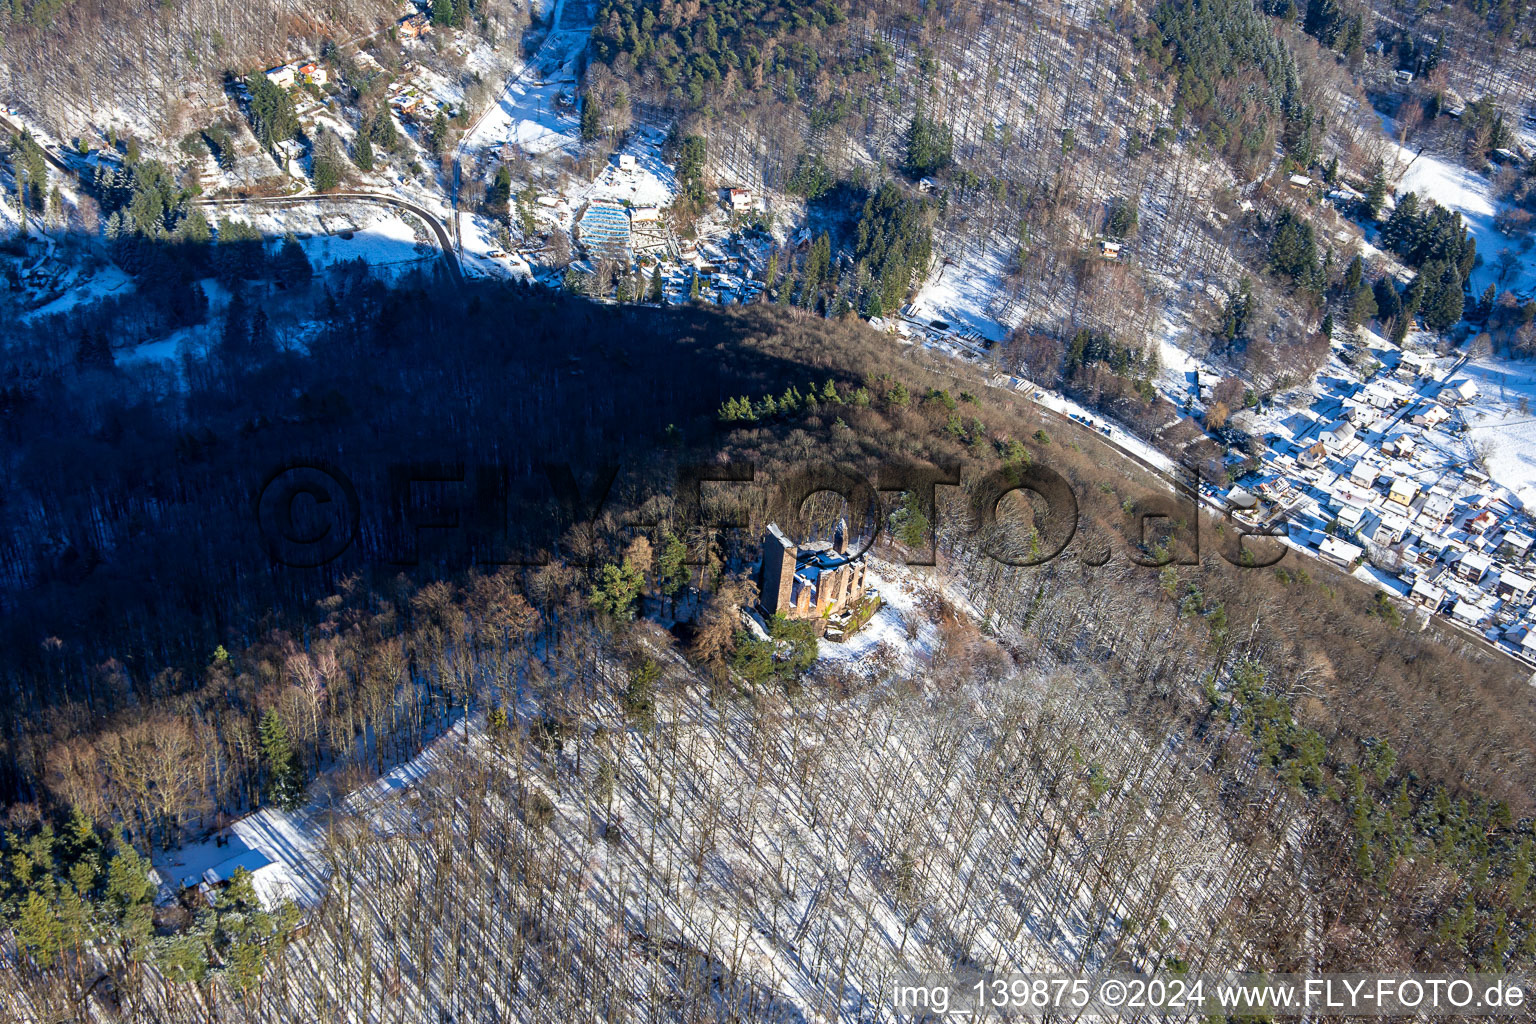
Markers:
point(1351, 515)
point(282, 76)
point(1438, 508)
point(1515, 544)
point(1390, 530)
point(1470, 614)
point(1339, 435)
point(1361, 414)
point(1339, 551)
point(626, 161)
point(1430, 416)
point(1364, 473)
point(1419, 362)
point(1461, 391)
point(1427, 594)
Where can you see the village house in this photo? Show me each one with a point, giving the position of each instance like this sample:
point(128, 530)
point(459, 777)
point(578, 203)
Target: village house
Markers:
point(413, 26)
point(1516, 588)
point(1351, 516)
point(1471, 614)
point(314, 74)
point(1313, 457)
point(1340, 552)
point(1430, 416)
point(282, 76)
point(1364, 473)
point(1403, 491)
point(1461, 391)
point(268, 877)
point(1340, 435)
point(1437, 509)
point(626, 161)
point(1403, 446)
point(1390, 530)
point(819, 581)
point(1515, 545)
point(1482, 522)
point(1418, 363)
point(1361, 414)
point(1109, 250)
point(1427, 594)
point(1431, 549)
point(1473, 567)
point(738, 199)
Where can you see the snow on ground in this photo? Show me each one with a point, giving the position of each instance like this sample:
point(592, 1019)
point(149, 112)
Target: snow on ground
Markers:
point(1501, 423)
point(899, 588)
point(292, 840)
point(966, 293)
point(296, 839)
point(333, 234)
point(109, 280)
point(1471, 194)
point(526, 113)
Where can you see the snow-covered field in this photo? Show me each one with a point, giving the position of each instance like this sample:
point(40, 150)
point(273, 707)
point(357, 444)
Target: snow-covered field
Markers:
point(966, 294)
point(1471, 194)
point(1501, 423)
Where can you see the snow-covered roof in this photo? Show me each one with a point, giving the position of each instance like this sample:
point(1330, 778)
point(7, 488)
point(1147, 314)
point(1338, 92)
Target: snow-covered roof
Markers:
point(251, 860)
point(1339, 550)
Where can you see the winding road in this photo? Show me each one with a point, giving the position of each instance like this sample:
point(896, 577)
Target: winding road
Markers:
point(444, 239)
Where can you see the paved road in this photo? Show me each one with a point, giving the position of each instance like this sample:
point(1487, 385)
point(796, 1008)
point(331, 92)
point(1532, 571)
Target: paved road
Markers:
point(444, 240)
point(52, 158)
point(458, 153)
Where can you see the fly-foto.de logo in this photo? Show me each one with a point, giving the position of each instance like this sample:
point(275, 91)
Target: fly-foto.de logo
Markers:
point(310, 513)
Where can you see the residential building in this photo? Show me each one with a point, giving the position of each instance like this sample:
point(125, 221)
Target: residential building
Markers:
point(268, 877)
point(1515, 545)
point(1313, 457)
point(1339, 435)
point(1364, 473)
point(282, 76)
point(1438, 508)
point(1471, 614)
point(1427, 594)
point(1403, 491)
point(1340, 552)
point(1430, 416)
point(1473, 567)
point(413, 27)
point(1460, 391)
point(1514, 587)
point(1390, 530)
